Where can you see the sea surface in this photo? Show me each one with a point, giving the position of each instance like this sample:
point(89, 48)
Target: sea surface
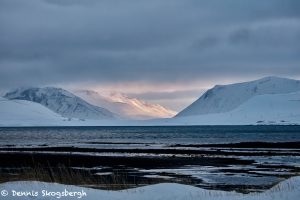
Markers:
point(159, 135)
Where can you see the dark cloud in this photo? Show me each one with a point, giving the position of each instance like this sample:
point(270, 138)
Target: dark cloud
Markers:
point(240, 36)
point(206, 43)
point(108, 41)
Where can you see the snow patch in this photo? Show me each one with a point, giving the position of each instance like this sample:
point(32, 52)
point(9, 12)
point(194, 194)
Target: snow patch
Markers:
point(286, 190)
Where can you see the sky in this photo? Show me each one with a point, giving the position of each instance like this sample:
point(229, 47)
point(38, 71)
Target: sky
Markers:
point(161, 51)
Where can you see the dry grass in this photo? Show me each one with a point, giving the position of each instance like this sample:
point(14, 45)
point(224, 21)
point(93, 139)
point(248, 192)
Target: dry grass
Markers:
point(65, 175)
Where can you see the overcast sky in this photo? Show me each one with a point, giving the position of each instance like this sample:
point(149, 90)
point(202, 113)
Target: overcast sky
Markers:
point(164, 51)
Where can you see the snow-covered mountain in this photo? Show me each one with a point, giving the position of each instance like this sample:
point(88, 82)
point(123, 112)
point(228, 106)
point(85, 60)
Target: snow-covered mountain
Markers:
point(20, 112)
point(61, 101)
point(270, 100)
point(124, 106)
point(266, 109)
point(225, 98)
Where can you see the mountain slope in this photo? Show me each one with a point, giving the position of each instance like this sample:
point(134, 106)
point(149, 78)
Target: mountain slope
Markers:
point(226, 98)
point(20, 112)
point(126, 107)
point(261, 109)
point(61, 102)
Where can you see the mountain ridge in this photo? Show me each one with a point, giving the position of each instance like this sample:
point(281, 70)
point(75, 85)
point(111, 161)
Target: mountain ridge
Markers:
point(266, 101)
point(125, 106)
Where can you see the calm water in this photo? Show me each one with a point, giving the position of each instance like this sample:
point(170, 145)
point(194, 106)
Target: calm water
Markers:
point(160, 135)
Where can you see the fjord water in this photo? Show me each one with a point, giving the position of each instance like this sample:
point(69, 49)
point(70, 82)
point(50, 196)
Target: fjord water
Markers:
point(140, 134)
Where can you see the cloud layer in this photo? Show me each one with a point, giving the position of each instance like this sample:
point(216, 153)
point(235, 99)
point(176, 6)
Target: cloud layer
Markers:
point(113, 41)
